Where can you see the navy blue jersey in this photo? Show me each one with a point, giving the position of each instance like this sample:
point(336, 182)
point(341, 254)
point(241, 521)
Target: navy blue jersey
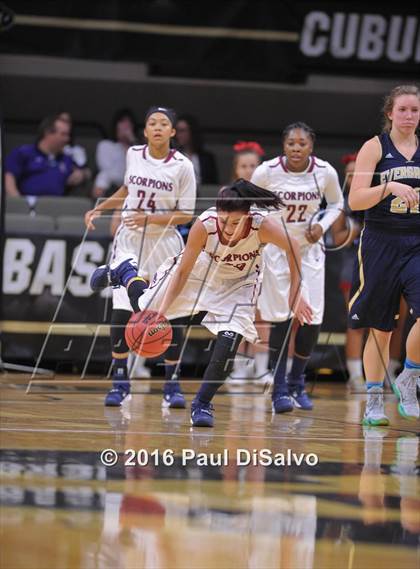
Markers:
point(388, 267)
point(391, 213)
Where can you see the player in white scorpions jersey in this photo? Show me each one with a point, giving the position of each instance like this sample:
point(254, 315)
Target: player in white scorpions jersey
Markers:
point(158, 193)
point(301, 181)
point(218, 272)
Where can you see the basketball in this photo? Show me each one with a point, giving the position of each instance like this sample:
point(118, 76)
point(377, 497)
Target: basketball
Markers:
point(148, 333)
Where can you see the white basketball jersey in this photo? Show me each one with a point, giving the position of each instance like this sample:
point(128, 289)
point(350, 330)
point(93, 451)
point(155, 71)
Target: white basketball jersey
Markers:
point(301, 192)
point(236, 261)
point(158, 186)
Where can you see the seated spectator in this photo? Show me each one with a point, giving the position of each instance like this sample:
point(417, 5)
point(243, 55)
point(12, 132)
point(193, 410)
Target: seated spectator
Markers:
point(76, 152)
point(42, 169)
point(190, 142)
point(110, 154)
point(79, 156)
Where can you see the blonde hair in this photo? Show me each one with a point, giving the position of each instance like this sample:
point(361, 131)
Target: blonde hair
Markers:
point(390, 100)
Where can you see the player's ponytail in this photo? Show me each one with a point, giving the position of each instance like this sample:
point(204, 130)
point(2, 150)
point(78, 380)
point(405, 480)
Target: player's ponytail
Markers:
point(241, 195)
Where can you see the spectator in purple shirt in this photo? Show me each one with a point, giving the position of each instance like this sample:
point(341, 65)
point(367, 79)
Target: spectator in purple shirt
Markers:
point(42, 169)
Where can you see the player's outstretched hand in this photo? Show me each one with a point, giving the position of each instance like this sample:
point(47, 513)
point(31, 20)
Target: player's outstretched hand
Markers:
point(303, 312)
point(409, 195)
point(90, 216)
point(135, 220)
point(314, 233)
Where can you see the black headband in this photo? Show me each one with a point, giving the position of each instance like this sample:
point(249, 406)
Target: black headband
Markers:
point(170, 113)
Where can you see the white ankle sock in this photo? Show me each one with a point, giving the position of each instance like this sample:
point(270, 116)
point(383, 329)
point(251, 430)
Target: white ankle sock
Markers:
point(135, 364)
point(261, 363)
point(355, 367)
point(240, 364)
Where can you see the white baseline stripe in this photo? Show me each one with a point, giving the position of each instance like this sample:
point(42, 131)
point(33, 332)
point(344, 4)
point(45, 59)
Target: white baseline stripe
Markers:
point(160, 29)
point(158, 433)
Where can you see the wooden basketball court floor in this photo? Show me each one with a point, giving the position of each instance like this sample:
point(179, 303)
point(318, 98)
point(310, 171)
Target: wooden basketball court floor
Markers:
point(357, 507)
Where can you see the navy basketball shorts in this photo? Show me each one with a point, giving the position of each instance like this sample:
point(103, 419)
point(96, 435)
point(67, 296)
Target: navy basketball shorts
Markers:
point(387, 266)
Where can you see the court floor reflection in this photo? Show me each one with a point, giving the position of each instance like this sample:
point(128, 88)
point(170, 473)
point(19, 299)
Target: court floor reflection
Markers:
point(198, 516)
point(357, 507)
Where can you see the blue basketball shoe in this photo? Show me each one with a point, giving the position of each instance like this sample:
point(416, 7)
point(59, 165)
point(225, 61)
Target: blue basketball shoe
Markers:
point(119, 394)
point(105, 276)
point(282, 403)
point(201, 414)
point(298, 395)
point(173, 398)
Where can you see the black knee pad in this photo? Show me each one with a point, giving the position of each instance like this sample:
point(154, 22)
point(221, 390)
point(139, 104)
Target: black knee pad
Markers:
point(119, 319)
point(279, 341)
point(173, 353)
point(306, 339)
point(223, 356)
point(135, 290)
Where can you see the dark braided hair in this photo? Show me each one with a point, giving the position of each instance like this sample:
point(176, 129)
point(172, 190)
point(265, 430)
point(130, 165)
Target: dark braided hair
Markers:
point(294, 125)
point(241, 195)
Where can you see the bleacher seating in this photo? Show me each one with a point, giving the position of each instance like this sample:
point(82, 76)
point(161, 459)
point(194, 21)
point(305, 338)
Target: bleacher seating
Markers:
point(23, 224)
point(55, 216)
point(74, 226)
point(17, 205)
point(70, 225)
point(62, 206)
point(65, 215)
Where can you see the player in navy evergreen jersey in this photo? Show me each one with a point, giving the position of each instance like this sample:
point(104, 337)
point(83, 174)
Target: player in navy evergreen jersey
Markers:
point(386, 184)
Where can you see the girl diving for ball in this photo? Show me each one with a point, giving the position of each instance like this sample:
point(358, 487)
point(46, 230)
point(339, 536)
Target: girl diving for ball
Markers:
point(218, 273)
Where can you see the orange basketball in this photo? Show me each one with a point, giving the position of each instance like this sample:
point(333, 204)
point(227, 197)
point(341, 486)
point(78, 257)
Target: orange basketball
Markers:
point(148, 333)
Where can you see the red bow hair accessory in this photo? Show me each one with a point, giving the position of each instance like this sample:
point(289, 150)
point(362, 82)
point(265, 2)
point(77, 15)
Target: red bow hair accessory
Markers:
point(250, 146)
point(348, 158)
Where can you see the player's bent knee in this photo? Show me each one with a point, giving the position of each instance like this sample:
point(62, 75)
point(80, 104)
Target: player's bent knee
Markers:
point(135, 289)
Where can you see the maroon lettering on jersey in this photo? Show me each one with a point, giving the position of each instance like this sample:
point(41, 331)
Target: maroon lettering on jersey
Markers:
point(150, 183)
point(298, 196)
point(231, 257)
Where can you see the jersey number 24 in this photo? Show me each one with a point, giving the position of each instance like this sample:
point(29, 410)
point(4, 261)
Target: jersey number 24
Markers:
point(151, 204)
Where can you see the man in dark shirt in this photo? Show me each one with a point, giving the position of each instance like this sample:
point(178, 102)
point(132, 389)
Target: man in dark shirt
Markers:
point(42, 169)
